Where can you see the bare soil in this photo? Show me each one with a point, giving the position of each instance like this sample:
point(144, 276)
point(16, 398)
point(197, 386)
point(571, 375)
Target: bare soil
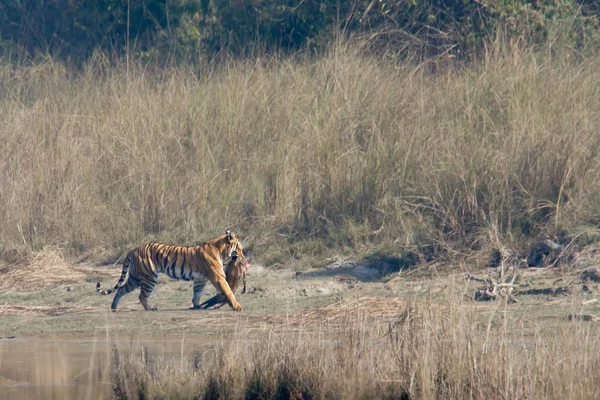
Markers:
point(46, 296)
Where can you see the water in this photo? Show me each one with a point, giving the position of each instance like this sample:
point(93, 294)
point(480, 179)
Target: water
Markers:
point(76, 369)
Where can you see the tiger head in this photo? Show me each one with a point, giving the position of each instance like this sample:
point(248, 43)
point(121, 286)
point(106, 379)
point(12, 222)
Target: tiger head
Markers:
point(231, 244)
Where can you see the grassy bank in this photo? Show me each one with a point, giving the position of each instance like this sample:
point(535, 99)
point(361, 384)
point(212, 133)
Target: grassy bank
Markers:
point(343, 152)
point(430, 351)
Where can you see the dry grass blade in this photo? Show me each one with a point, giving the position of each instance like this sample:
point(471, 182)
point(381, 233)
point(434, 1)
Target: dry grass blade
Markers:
point(428, 352)
point(341, 150)
point(47, 268)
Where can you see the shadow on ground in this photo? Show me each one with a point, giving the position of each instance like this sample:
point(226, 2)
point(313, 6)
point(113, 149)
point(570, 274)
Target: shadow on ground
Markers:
point(371, 268)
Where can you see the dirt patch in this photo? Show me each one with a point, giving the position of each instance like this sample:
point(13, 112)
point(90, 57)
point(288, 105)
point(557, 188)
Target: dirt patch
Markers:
point(361, 270)
point(336, 314)
point(357, 269)
point(368, 307)
point(257, 270)
point(10, 309)
point(312, 289)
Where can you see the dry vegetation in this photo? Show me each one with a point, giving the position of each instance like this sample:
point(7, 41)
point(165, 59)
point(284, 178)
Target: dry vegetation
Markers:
point(47, 268)
point(344, 152)
point(450, 352)
point(347, 149)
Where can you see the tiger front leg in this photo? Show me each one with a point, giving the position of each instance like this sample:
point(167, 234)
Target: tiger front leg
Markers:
point(218, 280)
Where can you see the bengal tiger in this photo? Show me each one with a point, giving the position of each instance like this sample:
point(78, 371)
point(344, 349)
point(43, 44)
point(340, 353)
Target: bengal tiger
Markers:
point(198, 263)
point(236, 269)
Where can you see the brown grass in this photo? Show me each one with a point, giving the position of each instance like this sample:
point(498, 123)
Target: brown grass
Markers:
point(349, 150)
point(426, 351)
point(43, 269)
point(47, 268)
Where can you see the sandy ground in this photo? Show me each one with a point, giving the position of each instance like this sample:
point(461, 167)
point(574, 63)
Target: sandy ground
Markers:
point(47, 297)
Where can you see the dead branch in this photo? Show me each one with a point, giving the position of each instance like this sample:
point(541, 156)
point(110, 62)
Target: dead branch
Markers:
point(501, 288)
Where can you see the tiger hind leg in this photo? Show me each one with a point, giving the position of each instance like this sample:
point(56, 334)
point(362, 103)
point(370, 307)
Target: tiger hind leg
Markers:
point(132, 283)
point(146, 291)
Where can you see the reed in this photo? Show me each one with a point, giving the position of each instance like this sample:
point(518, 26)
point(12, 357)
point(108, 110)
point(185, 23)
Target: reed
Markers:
point(427, 351)
point(346, 151)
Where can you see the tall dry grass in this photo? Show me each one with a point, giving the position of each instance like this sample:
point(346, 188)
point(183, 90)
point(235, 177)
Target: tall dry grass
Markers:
point(346, 148)
point(428, 352)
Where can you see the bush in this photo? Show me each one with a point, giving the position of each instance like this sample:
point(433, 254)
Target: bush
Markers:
point(188, 30)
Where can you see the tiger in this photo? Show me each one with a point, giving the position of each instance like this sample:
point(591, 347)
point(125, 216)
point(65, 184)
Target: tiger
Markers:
point(199, 263)
point(236, 269)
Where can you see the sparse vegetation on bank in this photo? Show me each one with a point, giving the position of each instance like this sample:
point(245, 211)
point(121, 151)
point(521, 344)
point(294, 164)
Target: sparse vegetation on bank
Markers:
point(429, 351)
point(335, 332)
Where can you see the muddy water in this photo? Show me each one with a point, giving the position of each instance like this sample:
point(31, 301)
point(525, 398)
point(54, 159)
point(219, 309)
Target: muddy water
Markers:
point(76, 369)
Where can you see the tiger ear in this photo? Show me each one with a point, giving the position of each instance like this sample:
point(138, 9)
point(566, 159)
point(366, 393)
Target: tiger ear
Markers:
point(229, 235)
